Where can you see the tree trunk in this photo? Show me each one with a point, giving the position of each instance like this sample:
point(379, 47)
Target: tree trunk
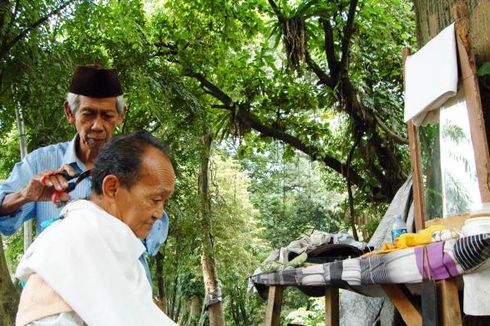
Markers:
point(161, 298)
point(8, 293)
point(195, 308)
point(432, 16)
point(210, 274)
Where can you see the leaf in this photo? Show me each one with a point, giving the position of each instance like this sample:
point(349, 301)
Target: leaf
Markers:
point(484, 69)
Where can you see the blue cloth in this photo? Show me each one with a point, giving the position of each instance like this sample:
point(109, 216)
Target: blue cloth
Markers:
point(52, 157)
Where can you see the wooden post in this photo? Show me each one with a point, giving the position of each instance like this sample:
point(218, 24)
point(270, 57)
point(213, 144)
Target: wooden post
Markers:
point(414, 150)
point(449, 302)
point(273, 310)
point(417, 185)
point(473, 100)
point(332, 306)
point(411, 316)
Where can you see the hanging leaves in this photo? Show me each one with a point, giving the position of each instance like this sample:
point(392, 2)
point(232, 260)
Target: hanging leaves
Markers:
point(294, 36)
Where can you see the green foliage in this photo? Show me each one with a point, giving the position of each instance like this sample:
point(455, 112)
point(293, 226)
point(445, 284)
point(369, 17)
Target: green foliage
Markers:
point(9, 151)
point(314, 316)
point(430, 165)
point(238, 245)
point(484, 69)
point(229, 43)
point(159, 47)
point(291, 196)
point(14, 249)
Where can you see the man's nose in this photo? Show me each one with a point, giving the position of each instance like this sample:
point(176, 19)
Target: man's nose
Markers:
point(158, 212)
point(98, 123)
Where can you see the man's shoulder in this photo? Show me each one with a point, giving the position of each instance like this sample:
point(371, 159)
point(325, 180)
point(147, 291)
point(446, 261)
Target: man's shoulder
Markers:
point(49, 151)
point(47, 157)
point(62, 146)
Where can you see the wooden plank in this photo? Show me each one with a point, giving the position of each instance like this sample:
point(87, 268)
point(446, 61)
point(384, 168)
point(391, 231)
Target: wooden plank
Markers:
point(473, 100)
point(411, 316)
point(332, 306)
point(450, 312)
point(273, 310)
point(414, 150)
point(417, 185)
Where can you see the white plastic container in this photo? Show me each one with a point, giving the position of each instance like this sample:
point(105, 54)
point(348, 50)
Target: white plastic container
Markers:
point(476, 225)
point(477, 284)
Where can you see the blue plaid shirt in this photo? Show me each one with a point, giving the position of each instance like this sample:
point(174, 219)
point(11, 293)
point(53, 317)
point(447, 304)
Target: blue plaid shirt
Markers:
point(52, 157)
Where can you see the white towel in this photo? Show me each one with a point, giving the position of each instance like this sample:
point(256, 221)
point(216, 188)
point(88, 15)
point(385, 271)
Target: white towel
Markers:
point(431, 76)
point(91, 259)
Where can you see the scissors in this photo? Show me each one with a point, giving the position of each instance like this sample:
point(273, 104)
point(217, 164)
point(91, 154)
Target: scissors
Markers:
point(55, 198)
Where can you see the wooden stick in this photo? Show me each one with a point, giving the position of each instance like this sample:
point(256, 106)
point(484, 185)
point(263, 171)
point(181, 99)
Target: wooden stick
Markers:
point(417, 185)
point(449, 302)
point(473, 100)
point(414, 149)
point(405, 307)
point(332, 306)
point(273, 310)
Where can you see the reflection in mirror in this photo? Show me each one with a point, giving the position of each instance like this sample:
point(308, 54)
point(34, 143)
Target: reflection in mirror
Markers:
point(448, 163)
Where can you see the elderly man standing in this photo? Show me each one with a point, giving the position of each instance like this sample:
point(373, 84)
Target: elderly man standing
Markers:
point(95, 106)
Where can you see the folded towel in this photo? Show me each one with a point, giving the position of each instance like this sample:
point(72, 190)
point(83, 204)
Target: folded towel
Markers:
point(431, 76)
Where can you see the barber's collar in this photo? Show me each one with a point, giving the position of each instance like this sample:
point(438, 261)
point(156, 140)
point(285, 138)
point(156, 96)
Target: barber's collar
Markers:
point(71, 154)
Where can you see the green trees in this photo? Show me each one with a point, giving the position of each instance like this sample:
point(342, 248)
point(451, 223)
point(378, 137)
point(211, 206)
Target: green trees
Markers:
point(346, 77)
point(275, 77)
point(22, 34)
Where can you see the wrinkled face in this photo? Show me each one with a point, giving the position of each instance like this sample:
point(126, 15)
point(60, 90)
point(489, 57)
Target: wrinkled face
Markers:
point(94, 120)
point(141, 205)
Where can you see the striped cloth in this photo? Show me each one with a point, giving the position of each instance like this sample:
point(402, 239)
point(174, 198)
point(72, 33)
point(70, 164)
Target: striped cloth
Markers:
point(471, 252)
point(438, 261)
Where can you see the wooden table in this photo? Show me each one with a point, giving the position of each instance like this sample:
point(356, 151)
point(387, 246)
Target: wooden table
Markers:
point(446, 304)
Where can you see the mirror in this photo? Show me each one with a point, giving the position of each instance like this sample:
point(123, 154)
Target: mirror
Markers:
point(448, 169)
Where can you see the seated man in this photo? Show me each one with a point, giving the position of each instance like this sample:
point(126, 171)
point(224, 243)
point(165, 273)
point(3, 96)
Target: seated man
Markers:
point(85, 268)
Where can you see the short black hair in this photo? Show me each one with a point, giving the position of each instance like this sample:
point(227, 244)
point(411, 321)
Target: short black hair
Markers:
point(121, 157)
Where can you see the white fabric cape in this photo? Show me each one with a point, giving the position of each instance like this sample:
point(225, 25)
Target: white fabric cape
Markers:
point(90, 258)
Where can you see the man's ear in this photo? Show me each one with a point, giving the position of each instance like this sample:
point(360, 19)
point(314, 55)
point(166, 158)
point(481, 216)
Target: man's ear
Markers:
point(69, 115)
point(110, 185)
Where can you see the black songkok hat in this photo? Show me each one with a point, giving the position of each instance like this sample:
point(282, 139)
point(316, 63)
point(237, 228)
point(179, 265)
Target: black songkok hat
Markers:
point(95, 81)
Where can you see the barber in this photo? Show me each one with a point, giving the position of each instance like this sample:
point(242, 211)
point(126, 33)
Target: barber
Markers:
point(95, 106)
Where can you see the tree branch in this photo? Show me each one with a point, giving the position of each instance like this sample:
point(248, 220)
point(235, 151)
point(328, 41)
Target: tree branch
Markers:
point(243, 114)
point(348, 31)
point(220, 106)
point(212, 89)
point(322, 76)
point(32, 27)
point(333, 64)
point(349, 187)
point(399, 139)
point(276, 10)
point(251, 120)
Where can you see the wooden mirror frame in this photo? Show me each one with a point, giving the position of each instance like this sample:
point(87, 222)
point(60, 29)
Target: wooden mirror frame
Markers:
point(469, 78)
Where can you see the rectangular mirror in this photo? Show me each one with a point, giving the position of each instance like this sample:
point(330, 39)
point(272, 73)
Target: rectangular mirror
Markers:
point(448, 169)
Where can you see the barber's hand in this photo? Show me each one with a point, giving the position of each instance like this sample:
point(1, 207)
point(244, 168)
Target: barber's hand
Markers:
point(42, 186)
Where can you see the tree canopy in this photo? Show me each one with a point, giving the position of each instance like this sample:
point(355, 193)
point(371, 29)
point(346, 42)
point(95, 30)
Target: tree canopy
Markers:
point(303, 99)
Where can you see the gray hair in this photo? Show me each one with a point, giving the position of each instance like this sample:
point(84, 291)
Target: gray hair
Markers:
point(122, 157)
point(74, 101)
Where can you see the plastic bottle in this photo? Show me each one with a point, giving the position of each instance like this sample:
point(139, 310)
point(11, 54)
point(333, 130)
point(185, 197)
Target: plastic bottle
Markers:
point(398, 228)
